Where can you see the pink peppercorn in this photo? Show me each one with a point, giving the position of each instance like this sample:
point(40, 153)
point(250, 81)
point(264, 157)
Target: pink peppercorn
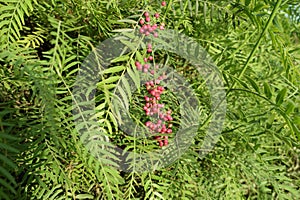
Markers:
point(146, 14)
point(161, 143)
point(166, 142)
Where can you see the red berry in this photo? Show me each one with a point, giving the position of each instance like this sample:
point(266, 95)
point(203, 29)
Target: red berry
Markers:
point(147, 19)
point(150, 58)
point(146, 66)
point(155, 34)
point(151, 126)
point(149, 46)
point(160, 88)
point(156, 15)
point(163, 3)
point(161, 27)
point(148, 123)
point(149, 50)
point(142, 30)
point(145, 59)
point(146, 14)
point(166, 142)
point(150, 29)
point(138, 65)
point(142, 21)
point(161, 143)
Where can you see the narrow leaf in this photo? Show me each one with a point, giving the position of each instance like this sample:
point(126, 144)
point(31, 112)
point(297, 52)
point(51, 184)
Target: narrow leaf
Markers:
point(280, 96)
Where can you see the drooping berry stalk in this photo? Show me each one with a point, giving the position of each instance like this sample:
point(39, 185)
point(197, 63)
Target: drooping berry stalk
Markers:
point(152, 105)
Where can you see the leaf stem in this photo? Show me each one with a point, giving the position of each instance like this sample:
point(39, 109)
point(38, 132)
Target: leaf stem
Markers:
point(274, 11)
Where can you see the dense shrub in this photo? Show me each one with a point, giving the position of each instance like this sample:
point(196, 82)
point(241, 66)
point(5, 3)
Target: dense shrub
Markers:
point(255, 45)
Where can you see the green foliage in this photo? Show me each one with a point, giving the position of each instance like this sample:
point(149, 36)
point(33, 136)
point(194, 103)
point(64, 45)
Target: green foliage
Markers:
point(255, 45)
point(13, 15)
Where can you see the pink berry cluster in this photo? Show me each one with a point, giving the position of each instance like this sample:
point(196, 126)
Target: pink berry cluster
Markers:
point(152, 107)
point(148, 28)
